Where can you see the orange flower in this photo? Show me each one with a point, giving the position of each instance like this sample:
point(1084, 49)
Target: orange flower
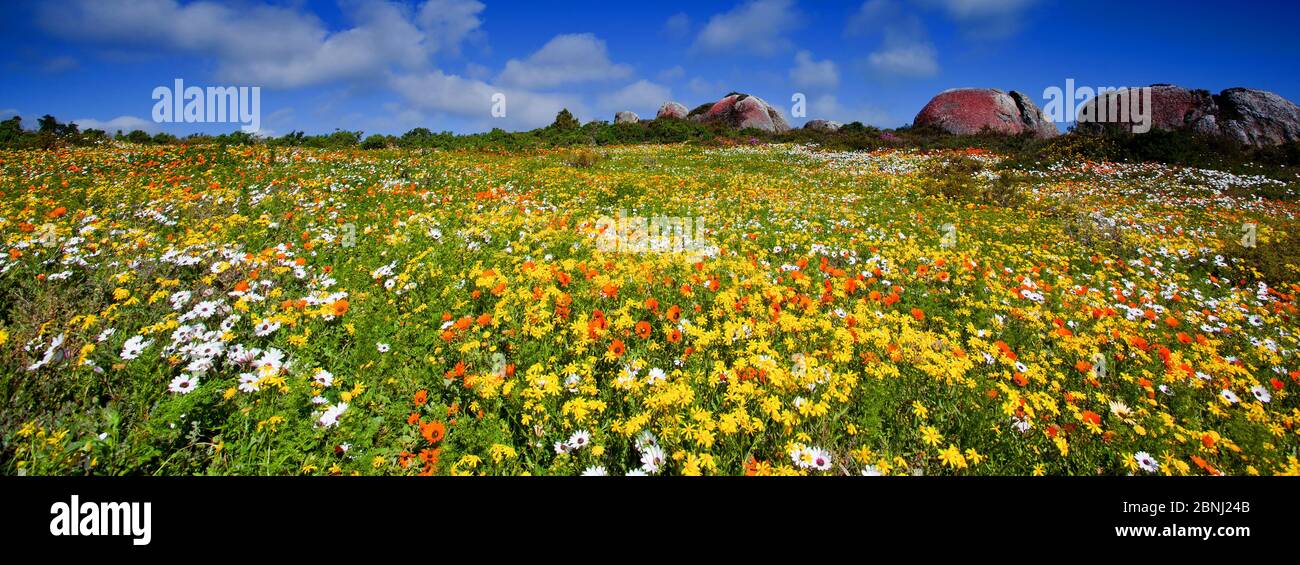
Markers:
point(1091, 417)
point(616, 347)
point(421, 397)
point(674, 335)
point(918, 314)
point(57, 213)
point(674, 313)
point(433, 431)
point(643, 329)
point(1083, 366)
point(339, 307)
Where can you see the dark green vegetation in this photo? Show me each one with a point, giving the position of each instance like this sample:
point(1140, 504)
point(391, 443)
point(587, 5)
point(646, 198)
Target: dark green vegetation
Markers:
point(1174, 148)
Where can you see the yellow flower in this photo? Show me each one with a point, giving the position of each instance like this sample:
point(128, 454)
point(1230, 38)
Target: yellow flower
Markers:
point(930, 436)
point(952, 457)
point(920, 410)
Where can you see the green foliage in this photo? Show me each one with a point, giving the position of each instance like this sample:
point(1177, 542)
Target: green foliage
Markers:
point(1024, 151)
point(378, 141)
point(565, 121)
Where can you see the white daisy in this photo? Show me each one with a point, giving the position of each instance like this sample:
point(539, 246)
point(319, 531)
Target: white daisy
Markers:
point(323, 378)
point(656, 375)
point(248, 382)
point(1261, 393)
point(579, 439)
point(595, 471)
point(1146, 462)
point(652, 459)
point(267, 327)
point(134, 347)
point(330, 417)
point(183, 384)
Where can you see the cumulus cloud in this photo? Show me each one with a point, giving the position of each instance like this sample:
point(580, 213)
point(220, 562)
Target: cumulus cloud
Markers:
point(449, 23)
point(905, 58)
point(274, 46)
point(125, 124)
point(439, 92)
point(565, 59)
point(905, 49)
point(643, 97)
point(809, 73)
point(758, 25)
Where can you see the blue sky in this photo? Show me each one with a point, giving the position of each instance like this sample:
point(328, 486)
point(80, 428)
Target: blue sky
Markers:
point(388, 66)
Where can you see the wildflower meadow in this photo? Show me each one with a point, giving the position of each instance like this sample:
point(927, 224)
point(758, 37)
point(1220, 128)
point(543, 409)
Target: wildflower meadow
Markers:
point(258, 310)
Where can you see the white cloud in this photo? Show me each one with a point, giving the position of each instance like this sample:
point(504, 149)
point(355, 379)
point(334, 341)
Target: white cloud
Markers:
point(905, 59)
point(274, 46)
point(808, 73)
point(124, 123)
point(477, 71)
point(905, 49)
point(758, 25)
point(450, 22)
point(565, 59)
point(829, 107)
point(643, 97)
point(439, 92)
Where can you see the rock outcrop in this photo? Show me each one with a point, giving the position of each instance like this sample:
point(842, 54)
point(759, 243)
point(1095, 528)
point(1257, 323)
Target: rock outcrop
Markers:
point(1247, 116)
point(671, 110)
point(626, 118)
point(823, 125)
point(968, 111)
point(742, 111)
